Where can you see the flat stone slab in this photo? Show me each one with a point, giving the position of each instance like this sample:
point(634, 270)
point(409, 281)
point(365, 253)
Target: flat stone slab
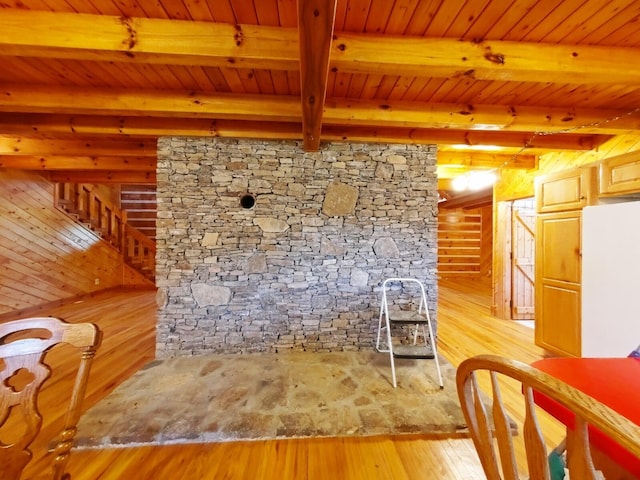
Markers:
point(266, 396)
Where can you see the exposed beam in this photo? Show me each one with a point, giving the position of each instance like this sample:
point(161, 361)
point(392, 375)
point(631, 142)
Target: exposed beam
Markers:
point(485, 60)
point(31, 124)
point(445, 183)
point(159, 41)
point(469, 138)
point(449, 172)
point(37, 123)
point(469, 200)
point(93, 176)
point(178, 42)
point(13, 145)
point(57, 162)
point(100, 101)
point(315, 27)
point(481, 117)
point(154, 103)
point(487, 160)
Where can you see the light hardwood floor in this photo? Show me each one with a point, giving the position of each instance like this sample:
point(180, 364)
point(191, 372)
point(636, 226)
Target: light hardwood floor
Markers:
point(128, 318)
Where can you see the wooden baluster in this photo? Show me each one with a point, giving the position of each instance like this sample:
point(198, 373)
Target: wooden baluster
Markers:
point(99, 223)
point(579, 461)
point(478, 424)
point(503, 432)
point(108, 226)
point(115, 238)
point(58, 194)
point(131, 248)
point(535, 446)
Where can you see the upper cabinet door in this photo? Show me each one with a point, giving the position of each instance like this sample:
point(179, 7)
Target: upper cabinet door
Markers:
point(566, 190)
point(620, 175)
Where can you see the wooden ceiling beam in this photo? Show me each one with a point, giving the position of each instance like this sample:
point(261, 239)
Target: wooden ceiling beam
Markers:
point(341, 111)
point(485, 60)
point(449, 172)
point(31, 124)
point(157, 41)
point(101, 101)
point(179, 42)
point(315, 27)
point(469, 200)
point(466, 138)
point(46, 124)
point(16, 145)
point(96, 176)
point(487, 160)
point(445, 184)
point(58, 162)
point(153, 103)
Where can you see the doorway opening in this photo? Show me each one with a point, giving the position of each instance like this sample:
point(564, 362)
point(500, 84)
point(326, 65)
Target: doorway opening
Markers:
point(514, 284)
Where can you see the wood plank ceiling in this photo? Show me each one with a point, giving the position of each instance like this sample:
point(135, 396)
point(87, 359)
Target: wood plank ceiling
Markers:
point(88, 86)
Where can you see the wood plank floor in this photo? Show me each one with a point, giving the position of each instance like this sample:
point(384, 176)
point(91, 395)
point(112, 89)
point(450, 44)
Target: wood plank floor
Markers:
point(128, 320)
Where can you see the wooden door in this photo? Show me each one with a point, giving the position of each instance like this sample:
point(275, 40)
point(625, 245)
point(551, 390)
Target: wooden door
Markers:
point(523, 259)
point(558, 277)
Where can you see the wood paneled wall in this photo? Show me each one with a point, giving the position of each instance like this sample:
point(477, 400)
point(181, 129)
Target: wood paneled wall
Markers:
point(464, 242)
point(45, 255)
point(486, 238)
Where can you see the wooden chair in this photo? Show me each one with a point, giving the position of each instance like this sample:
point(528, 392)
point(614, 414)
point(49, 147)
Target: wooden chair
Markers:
point(23, 347)
point(493, 440)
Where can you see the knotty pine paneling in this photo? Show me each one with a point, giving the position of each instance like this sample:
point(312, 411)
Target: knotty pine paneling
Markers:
point(45, 255)
point(486, 241)
point(514, 184)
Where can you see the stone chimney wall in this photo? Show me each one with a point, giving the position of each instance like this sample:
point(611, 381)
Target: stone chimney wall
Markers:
point(263, 247)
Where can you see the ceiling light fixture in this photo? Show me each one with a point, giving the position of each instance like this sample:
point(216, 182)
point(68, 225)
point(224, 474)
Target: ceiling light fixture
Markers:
point(474, 180)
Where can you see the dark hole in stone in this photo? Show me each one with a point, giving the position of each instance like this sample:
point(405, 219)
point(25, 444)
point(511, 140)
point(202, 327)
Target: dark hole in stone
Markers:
point(247, 201)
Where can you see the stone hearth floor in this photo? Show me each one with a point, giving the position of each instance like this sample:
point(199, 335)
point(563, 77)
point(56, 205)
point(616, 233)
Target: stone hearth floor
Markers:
point(265, 396)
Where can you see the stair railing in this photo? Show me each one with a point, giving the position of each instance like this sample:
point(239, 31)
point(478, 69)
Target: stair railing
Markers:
point(139, 251)
point(83, 202)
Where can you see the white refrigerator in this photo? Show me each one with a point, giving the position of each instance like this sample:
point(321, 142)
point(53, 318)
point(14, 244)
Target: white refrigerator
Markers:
point(611, 279)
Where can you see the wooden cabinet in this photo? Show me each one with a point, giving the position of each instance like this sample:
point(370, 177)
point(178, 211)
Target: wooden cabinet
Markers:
point(560, 198)
point(558, 277)
point(566, 190)
point(620, 175)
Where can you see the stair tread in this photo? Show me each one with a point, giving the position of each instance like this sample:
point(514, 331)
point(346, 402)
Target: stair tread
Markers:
point(413, 351)
point(407, 316)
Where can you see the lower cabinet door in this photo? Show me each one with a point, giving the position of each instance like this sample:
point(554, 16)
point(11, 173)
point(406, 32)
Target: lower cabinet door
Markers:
point(558, 325)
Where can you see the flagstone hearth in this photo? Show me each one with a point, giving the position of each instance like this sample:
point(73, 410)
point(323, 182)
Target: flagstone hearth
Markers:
point(264, 396)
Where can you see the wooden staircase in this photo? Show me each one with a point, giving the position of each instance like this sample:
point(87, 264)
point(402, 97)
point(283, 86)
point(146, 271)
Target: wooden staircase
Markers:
point(91, 207)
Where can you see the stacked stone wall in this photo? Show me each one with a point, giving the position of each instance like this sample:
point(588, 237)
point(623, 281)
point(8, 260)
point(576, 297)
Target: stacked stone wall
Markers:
point(301, 268)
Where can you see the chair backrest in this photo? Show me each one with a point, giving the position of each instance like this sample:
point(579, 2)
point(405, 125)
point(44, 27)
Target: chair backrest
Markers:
point(492, 435)
point(23, 346)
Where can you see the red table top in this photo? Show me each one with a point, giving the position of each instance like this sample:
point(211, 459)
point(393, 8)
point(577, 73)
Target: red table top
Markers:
point(613, 381)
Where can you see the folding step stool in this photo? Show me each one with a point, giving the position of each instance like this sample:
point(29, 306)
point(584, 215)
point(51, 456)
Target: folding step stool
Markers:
point(419, 318)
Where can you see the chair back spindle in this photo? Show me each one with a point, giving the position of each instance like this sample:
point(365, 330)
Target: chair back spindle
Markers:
point(492, 435)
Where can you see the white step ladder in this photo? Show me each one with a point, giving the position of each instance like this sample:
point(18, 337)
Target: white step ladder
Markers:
point(420, 319)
